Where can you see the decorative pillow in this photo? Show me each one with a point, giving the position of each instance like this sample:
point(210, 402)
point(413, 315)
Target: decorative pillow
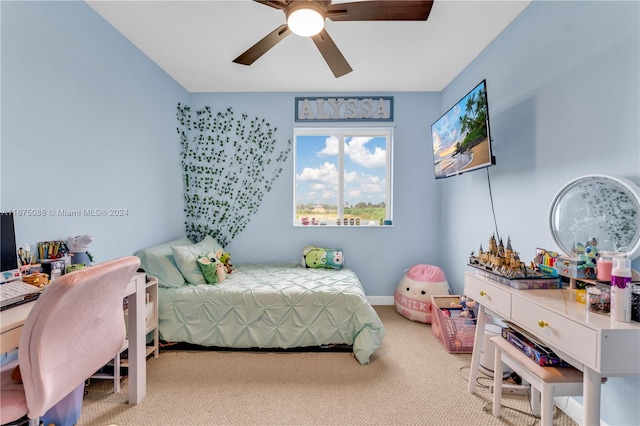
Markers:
point(209, 266)
point(186, 257)
point(319, 257)
point(158, 261)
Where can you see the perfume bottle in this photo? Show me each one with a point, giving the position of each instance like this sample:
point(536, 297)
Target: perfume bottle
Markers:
point(621, 290)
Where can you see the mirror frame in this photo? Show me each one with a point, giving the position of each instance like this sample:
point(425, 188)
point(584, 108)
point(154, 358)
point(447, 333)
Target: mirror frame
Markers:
point(632, 191)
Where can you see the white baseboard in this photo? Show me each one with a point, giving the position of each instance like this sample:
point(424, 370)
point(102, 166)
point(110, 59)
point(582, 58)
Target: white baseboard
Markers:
point(380, 300)
point(572, 408)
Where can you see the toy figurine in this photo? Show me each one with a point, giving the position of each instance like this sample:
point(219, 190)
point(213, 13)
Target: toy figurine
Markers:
point(79, 249)
point(591, 250)
point(466, 305)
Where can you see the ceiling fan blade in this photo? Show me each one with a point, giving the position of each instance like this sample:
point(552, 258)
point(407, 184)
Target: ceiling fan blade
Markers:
point(331, 54)
point(276, 4)
point(400, 10)
point(261, 47)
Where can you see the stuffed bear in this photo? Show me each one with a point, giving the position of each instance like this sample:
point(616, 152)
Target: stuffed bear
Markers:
point(79, 249)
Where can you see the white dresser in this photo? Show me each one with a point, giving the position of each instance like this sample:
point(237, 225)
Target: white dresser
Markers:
point(593, 343)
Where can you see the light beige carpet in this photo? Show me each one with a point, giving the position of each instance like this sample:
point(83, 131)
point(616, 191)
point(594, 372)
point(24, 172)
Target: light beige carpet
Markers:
point(411, 380)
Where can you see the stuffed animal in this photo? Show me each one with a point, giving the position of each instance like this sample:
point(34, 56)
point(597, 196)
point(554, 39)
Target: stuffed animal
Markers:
point(79, 249)
point(591, 250)
point(221, 272)
point(225, 259)
point(466, 305)
point(413, 294)
point(334, 259)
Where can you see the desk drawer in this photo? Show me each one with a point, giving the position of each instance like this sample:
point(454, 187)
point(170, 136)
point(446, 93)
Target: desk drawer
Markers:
point(10, 339)
point(492, 296)
point(558, 331)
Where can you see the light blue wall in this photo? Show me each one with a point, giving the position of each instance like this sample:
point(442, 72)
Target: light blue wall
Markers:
point(88, 122)
point(564, 101)
point(81, 100)
point(564, 97)
point(379, 255)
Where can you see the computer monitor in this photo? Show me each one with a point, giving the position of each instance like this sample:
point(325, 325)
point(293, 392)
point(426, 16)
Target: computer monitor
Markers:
point(9, 266)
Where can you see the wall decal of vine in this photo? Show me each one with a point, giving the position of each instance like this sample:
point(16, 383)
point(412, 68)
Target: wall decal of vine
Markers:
point(228, 165)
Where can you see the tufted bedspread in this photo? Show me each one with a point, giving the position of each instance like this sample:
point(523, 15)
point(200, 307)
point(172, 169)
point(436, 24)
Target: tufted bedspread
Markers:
point(273, 306)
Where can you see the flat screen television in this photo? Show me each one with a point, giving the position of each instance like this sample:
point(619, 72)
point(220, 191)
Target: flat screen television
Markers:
point(461, 136)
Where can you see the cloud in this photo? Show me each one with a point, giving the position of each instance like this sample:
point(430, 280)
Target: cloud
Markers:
point(354, 193)
point(330, 146)
point(357, 151)
point(323, 180)
point(325, 174)
point(330, 195)
point(365, 187)
point(350, 177)
point(355, 148)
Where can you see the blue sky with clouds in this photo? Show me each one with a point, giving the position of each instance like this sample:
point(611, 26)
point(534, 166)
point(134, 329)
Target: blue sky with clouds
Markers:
point(317, 169)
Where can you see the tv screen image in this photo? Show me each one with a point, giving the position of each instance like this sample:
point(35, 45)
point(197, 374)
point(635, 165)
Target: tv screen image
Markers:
point(461, 136)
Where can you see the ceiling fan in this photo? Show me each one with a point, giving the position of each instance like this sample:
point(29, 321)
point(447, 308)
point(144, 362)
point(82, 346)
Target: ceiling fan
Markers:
point(306, 18)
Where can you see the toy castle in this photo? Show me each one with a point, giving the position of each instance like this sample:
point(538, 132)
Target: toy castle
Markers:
point(501, 260)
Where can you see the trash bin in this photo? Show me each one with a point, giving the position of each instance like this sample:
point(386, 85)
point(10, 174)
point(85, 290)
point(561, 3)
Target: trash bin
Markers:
point(67, 411)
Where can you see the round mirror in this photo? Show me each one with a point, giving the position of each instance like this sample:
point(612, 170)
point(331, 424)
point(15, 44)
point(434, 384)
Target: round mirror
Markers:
point(597, 206)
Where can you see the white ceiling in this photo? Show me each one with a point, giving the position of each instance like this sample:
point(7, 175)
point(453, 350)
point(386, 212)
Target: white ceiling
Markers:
point(195, 42)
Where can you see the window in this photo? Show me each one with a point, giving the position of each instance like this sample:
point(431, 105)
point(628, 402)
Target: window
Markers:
point(342, 176)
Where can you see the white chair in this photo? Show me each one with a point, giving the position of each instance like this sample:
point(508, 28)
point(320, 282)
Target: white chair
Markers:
point(75, 327)
point(546, 382)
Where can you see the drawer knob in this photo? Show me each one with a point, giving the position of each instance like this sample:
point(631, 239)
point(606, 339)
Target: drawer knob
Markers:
point(483, 293)
point(542, 324)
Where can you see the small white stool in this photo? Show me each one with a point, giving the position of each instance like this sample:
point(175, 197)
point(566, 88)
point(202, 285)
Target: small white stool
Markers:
point(546, 382)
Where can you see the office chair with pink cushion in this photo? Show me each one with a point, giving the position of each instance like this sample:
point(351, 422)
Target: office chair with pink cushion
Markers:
point(75, 328)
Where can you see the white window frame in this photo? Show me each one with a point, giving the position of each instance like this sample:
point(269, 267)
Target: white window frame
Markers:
point(342, 132)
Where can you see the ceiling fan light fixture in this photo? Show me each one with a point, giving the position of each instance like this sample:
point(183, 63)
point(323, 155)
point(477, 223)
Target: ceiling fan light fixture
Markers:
point(305, 20)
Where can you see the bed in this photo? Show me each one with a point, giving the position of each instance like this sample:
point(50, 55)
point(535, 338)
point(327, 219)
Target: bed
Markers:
point(260, 305)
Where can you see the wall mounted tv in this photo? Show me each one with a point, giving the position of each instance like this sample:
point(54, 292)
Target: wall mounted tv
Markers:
point(461, 137)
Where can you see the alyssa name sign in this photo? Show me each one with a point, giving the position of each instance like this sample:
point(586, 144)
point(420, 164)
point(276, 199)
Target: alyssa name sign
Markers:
point(344, 109)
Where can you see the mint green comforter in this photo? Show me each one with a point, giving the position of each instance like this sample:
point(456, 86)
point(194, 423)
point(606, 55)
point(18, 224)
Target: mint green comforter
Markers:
point(273, 306)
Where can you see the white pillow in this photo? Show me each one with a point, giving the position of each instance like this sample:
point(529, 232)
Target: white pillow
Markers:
point(186, 257)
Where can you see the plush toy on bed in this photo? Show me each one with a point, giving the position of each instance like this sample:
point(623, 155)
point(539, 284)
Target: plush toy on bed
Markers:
point(225, 259)
point(319, 257)
point(79, 249)
point(213, 270)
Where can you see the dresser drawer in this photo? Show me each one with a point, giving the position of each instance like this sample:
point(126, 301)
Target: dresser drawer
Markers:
point(556, 330)
point(488, 294)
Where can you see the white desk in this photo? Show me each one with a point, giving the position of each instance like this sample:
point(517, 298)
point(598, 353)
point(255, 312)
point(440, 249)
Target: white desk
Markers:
point(593, 343)
point(12, 320)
